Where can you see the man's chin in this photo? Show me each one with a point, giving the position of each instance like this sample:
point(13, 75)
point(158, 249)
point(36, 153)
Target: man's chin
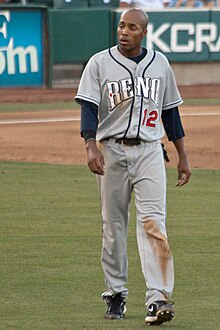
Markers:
point(124, 48)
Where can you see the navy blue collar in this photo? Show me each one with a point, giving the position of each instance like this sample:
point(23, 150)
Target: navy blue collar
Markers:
point(138, 58)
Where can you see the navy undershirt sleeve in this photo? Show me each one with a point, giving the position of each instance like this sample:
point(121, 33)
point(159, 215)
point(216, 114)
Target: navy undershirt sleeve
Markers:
point(89, 119)
point(172, 124)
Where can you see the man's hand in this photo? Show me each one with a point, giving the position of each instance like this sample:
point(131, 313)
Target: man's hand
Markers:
point(184, 172)
point(95, 160)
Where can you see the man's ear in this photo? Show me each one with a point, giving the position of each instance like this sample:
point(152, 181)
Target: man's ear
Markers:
point(144, 33)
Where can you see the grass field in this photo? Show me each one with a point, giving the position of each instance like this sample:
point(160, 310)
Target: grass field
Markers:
point(27, 107)
point(37, 107)
point(50, 243)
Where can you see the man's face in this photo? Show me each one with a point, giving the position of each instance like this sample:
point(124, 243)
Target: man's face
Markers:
point(130, 34)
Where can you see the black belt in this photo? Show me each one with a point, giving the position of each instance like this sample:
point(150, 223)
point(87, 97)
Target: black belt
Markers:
point(128, 142)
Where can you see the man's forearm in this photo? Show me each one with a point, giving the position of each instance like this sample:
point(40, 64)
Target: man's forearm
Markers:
point(179, 145)
point(183, 167)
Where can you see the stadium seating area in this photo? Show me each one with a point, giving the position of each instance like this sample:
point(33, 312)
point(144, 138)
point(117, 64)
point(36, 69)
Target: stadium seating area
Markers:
point(86, 4)
point(75, 3)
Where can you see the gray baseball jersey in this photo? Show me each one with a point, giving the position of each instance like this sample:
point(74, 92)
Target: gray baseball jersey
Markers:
point(130, 96)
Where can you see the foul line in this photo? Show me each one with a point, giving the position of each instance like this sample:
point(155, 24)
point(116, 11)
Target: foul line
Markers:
point(38, 121)
point(201, 114)
point(69, 119)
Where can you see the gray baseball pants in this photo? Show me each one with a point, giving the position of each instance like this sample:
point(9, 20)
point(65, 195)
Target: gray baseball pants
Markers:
point(138, 169)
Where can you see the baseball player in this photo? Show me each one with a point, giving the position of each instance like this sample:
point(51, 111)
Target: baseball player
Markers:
point(124, 92)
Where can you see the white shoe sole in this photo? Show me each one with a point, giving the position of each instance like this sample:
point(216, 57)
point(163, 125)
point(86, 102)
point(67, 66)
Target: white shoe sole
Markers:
point(163, 315)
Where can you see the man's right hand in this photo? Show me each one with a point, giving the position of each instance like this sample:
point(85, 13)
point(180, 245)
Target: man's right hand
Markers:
point(95, 159)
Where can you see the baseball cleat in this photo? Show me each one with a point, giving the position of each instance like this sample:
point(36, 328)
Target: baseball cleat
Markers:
point(159, 312)
point(115, 306)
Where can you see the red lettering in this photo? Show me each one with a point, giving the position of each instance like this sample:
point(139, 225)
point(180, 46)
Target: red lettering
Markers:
point(149, 120)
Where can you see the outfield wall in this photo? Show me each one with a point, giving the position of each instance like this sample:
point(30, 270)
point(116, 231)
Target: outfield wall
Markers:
point(35, 38)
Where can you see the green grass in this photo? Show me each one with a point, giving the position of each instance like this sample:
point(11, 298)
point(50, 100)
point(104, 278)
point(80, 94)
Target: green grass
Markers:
point(201, 102)
point(50, 244)
point(38, 107)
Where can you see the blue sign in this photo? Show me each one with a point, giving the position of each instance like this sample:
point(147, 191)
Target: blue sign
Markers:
point(21, 48)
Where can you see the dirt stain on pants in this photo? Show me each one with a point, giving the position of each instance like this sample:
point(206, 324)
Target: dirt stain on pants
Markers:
point(160, 247)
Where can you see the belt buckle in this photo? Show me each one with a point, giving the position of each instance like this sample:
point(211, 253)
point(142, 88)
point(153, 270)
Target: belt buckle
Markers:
point(122, 142)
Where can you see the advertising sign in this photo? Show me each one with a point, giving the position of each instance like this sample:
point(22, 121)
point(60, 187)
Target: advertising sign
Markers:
point(215, 44)
point(21, 48)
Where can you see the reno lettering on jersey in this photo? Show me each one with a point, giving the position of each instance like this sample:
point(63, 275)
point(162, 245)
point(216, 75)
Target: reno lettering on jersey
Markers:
point(119, 91)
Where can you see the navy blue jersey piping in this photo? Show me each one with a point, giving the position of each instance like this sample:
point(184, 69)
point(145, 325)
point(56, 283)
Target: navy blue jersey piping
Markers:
point(132, 104)
point(141, 109)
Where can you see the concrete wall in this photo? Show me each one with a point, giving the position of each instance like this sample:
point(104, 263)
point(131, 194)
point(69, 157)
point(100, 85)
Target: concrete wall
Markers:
point(197, 73)
point(185, 73)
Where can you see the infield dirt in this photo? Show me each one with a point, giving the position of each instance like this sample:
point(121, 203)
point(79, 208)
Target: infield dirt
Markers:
point(54, 137)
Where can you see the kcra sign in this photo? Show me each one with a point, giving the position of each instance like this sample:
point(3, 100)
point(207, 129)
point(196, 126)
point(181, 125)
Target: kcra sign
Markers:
point(197, 36)
point(185, 35)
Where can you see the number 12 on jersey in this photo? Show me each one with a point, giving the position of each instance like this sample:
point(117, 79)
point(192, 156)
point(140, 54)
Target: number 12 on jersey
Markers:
point(150, 118)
